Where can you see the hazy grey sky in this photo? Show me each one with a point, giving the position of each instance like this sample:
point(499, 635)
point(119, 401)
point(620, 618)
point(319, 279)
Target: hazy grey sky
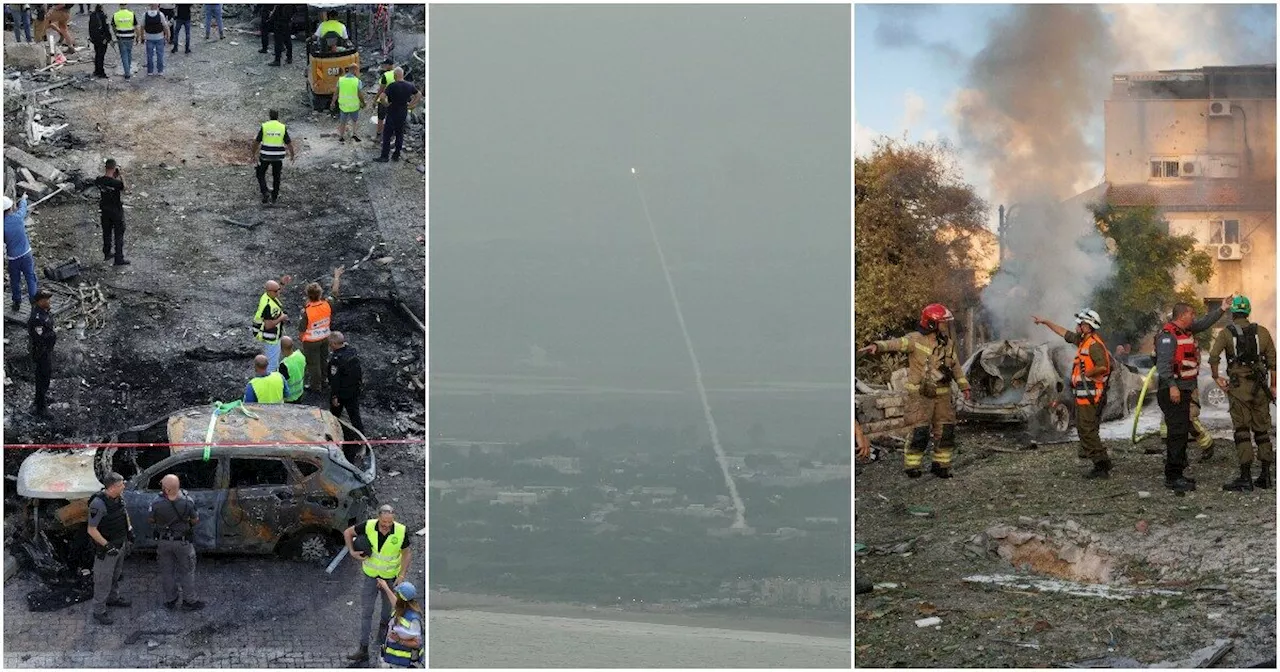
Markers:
point(738, 121)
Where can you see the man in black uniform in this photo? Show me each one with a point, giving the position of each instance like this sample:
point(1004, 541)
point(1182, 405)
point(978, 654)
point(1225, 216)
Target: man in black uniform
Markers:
point(40, 331)
point(173, 520)
point(110, 186)
point(400, 97)
point(112, 533)
point(100, 35)
point(281, 19)
point(345, 378)
point(1178, 370)
point(264, 25)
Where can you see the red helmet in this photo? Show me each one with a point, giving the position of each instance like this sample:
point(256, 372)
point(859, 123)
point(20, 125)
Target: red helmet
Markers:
point(933, 314)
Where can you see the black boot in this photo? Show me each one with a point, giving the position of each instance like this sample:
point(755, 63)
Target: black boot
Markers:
point(914, 473)
point(360, 654)
point(1101, 469)
point(1264, 479)
point(1176, 481)
point(940, 471)
point(1244, 483)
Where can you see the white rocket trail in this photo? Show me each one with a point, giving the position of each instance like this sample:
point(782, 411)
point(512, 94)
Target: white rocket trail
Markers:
point(740, 511)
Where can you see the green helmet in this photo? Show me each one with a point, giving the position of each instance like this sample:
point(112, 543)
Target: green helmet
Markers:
point(1240, 304)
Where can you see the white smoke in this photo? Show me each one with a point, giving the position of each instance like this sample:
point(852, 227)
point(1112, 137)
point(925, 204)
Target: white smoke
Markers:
point(1030, 117)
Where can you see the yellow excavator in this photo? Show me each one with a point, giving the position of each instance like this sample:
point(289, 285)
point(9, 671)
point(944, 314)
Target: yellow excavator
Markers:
point(329, 53)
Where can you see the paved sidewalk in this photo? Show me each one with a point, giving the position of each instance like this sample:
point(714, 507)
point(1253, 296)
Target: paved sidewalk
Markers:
point(263, 612)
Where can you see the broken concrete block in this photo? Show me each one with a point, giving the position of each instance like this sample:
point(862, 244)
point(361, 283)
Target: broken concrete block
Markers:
point(33, 188)
point(1071, 553)
point(43, 169)
point(26, 56)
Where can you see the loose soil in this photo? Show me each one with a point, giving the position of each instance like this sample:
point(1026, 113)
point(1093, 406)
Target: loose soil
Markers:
point(1217, 548)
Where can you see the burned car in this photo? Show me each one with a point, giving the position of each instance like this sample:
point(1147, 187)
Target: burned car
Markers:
point(1017, 381)
point(293, 498)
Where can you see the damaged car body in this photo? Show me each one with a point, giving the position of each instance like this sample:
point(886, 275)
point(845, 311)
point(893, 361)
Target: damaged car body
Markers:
point(1020, 382)
point(294, 497)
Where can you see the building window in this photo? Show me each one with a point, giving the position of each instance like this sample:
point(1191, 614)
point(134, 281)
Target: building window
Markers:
point(1164, 167)
point(1224, 231)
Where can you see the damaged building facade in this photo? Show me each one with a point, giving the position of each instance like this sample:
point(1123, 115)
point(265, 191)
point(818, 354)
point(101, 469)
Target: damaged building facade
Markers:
point(1200, 145)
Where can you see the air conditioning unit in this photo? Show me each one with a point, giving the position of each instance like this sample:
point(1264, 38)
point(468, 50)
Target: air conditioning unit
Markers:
point(1191, 166)
point(1246, 246)
point(1229, 252)
point(1219, 108)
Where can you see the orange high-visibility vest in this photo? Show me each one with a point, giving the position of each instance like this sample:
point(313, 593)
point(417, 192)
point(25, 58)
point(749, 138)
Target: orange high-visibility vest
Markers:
point(318, 316)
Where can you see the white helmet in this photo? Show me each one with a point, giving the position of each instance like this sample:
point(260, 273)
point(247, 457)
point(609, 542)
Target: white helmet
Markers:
point(1090, 317)
point(6, 203)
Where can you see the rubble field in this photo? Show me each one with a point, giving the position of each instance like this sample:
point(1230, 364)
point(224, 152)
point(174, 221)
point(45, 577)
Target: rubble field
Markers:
point(1026, 564)
point(172, 329)
point(175, 325)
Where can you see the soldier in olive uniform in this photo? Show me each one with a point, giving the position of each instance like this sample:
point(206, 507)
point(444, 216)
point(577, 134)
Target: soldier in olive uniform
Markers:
point(1251, 360)
point(932, 364)
point(173, 519)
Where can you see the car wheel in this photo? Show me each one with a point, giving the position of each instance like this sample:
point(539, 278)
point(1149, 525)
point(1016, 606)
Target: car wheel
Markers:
point(1214, 396)
point(312, 547)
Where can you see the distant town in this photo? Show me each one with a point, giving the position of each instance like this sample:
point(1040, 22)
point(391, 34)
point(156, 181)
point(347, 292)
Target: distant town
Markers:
point(638, 516)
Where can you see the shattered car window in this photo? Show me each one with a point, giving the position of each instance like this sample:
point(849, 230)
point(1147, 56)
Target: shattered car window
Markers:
point(253, 472)
point(194, 474)
point(306, 468)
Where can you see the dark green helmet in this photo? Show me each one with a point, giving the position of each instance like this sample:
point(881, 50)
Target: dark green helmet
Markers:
point(1240, 304)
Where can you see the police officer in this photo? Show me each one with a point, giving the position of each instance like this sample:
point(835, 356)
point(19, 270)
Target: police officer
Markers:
point(173, 521)
point(932, 365)
point(1089, 373)
point(345, 379)
point(110, 186)
point(112, 534)
point(271, 145)
point(1251, 360)
point(1177, 372)
point(42, 337)
point(388, 559)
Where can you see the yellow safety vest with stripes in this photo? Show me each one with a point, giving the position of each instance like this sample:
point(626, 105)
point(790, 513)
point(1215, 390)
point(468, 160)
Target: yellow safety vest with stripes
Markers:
point(123, 21)
point(272, 148)
point(383, 563)
point(260, 317)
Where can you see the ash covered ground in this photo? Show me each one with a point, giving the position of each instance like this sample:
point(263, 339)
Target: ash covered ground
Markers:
point(923, 537)
point(176, 321)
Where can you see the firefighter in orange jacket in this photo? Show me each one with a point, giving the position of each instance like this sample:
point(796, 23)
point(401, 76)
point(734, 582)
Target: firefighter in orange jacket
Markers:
point(1089, 373)
point(932, 365)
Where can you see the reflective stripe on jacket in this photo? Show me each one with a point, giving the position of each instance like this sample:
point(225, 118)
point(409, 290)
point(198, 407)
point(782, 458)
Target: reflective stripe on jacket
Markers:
point(1186, 357)
point(1088, 390)
point(383, 563)
point(260, 317)
point(318, 315)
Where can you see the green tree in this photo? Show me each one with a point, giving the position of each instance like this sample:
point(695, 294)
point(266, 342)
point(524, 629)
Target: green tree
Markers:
point(1147, 259)
point(913, 221)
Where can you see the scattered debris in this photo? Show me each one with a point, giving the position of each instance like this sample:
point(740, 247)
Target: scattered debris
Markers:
point(1013, 582)
point(243, 225)
point(926, 622)
point(1205, 657)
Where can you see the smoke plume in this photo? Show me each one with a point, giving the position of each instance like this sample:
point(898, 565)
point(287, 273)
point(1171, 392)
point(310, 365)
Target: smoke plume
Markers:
point(1031, 105)
point(1032, 94)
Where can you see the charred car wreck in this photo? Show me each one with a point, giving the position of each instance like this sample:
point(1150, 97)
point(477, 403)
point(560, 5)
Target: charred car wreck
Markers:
point(1019, 382)
point(293, 498)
